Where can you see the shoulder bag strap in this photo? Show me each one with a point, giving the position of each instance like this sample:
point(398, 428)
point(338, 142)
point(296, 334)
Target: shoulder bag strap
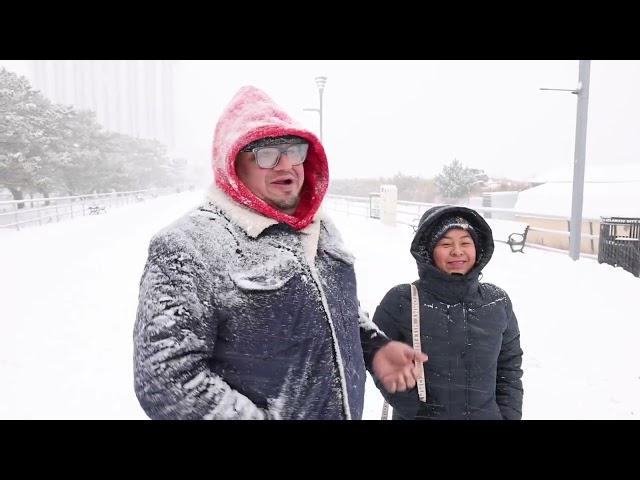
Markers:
point(415, 334)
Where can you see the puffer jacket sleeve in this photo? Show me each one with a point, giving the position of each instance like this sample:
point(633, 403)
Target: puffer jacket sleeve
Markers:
point(371, 338)
point(394, 309)
point(174, 336)
point(509, 389)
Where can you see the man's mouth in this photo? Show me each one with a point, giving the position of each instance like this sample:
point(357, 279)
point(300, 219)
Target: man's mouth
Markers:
point(283, 181)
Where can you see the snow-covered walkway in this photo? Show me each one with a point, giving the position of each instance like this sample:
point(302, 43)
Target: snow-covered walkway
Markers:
point(69, 295)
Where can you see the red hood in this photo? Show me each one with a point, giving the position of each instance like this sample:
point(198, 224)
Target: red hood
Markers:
point(251, 115)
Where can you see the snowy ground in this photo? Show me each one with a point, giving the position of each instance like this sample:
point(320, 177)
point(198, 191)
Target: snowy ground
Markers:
point(70, 293)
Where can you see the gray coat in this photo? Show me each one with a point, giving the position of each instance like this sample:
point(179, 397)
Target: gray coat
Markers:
point(242, 317)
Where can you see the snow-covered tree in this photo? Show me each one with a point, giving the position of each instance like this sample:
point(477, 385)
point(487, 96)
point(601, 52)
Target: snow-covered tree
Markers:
point(50, 148)
point(136, 163)
point(80, 152)
point(456, 181)
point(24, 118)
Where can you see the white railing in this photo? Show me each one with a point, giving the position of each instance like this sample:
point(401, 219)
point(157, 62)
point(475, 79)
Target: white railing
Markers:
point(42, 211)
point(409, 213)
point(350, 205)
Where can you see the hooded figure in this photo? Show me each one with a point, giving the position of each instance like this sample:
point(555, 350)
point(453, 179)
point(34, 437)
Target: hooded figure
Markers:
point(248, 306)
point(252, 116)
point(467, 328)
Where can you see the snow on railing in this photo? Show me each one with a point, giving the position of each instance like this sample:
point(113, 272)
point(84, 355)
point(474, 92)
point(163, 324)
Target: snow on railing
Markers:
point(409, 213)
point(46, 210)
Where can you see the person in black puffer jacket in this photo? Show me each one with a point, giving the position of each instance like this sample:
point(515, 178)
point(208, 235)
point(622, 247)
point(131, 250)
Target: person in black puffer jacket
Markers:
point(467, 328)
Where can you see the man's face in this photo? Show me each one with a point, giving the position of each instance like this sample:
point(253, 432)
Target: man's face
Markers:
point(455, 252)
point(278, 186)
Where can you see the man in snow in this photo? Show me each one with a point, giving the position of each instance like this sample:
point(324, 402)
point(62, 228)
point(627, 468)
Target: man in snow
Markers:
point(248, 306)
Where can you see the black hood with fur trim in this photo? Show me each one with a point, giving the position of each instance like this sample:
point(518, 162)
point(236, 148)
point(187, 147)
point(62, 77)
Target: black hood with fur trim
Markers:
point(453, 285)
point(467, 328)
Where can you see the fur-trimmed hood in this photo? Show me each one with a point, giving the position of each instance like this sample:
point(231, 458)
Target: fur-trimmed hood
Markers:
point(251, 115)
point(429, 221)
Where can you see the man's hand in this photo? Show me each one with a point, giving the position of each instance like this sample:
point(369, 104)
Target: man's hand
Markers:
point(396, 366)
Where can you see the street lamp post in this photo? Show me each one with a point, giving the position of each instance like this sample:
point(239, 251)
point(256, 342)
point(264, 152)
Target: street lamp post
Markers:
point(582, 91)
point(321, 82)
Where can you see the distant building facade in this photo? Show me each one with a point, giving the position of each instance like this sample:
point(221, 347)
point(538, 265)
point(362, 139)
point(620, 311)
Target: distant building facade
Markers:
point(135, 97)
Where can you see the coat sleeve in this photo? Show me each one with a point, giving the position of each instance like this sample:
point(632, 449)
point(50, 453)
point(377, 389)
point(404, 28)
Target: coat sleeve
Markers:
point(393, 311)
point(372, 338)
point(174, 337)
point(509, 389)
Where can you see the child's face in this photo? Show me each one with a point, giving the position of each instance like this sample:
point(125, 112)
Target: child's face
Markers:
point(455, 252)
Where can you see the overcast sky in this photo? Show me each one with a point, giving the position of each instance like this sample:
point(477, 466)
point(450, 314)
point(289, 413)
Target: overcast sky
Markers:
point(413, 117)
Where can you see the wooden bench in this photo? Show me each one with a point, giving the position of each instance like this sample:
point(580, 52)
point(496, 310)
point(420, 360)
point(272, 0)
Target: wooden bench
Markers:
point(517, 240)
point(97, 209)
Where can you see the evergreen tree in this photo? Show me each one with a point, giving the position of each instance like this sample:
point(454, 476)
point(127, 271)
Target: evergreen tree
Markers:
point(24, 134)
point(456, 181)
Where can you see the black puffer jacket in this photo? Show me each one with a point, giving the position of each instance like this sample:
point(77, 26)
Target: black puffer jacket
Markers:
point(468, 330)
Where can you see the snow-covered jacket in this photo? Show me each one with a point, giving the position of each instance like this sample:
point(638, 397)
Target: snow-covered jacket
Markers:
point(467, 329)
point(245, 312)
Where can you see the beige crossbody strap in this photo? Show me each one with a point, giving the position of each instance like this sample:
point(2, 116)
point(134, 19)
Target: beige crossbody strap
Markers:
point(385, 411)
point(415, 330)
point(415, 334)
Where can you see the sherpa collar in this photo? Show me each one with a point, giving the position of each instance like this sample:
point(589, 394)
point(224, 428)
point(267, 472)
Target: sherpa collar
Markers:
point(253, 223)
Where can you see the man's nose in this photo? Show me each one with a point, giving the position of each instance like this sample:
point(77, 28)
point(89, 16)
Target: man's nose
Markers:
point(284, 163)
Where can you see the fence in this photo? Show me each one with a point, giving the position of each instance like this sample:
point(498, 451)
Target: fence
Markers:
point(620, 243)
point(548, 226)
point(47, 210)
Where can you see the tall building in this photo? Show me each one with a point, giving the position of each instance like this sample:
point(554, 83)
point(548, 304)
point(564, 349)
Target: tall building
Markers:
point(135, 97)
